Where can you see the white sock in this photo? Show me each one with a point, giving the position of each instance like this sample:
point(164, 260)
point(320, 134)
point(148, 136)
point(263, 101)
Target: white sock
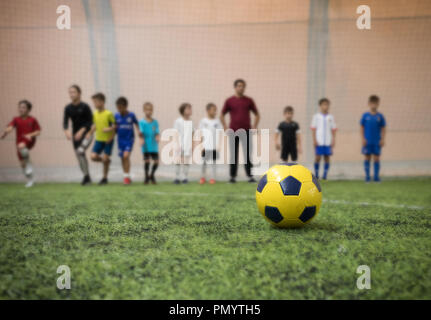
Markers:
point(214, 170)
point(177, 171)
point(204, 169)
point(185, 171)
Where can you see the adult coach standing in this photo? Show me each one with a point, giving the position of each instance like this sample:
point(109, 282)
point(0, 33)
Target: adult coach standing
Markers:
point(239, 108)
point(82, 119)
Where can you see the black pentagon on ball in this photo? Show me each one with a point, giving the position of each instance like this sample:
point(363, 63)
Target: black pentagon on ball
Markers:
point(316, 182)
point(290, 186)
point(307, 214)
point(273, 214)
point(262, 183)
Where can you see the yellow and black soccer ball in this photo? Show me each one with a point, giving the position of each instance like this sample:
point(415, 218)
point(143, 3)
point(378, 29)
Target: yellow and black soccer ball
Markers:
point(288, 195)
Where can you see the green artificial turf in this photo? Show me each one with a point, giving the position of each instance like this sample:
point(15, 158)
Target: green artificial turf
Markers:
point(210, 242)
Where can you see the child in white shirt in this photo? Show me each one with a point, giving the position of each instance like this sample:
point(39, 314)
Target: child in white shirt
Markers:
point(209, 126)
point(324, 128)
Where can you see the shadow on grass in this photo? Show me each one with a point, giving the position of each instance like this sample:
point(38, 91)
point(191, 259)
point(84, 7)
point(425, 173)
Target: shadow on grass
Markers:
point(313, 226)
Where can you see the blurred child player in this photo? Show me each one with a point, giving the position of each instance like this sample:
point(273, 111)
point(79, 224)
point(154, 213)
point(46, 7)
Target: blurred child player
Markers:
point(27, 129)
point(290, 136)
point(184, 127)
point(324, 128)
point(373, 131)
point(104, 126)
point(124, 122)
point(150, 132)
point(209, 126)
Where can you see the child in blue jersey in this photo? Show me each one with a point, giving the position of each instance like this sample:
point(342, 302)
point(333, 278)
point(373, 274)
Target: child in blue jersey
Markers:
point(373, 130)
point(149, 129)
point(125, 120)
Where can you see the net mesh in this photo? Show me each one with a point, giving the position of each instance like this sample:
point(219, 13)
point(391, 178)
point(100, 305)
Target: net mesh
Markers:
point(169, 52)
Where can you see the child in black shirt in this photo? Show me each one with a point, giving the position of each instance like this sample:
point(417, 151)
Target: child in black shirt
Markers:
point(290, 136)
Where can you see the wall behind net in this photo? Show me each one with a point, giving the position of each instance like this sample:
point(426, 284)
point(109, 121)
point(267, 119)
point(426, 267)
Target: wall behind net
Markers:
point(169, 52)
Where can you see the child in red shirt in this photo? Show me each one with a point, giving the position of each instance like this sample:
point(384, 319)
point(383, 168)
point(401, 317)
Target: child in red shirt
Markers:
point(27, 129)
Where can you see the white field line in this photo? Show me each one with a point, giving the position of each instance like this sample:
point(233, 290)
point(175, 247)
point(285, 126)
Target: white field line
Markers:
point(332, 201)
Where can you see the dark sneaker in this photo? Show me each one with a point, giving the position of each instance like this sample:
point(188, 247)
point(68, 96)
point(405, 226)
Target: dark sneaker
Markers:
point(251, 180)
point(176, 181)
point(86, 180)
point(103, 181)
point(232, 180)
point(185, 181)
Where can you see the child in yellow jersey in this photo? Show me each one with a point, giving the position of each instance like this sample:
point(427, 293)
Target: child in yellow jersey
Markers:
point(104, 126)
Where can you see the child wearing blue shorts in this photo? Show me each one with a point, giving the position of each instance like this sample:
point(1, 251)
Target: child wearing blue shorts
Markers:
point(324, 128)
point(373, 131)
point(125, 122)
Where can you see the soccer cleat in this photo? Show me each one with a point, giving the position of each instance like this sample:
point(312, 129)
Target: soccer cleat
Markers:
point(251, 180)
point(232, 180)
point(377, 179)
point(86, 180)
point(202, 181)
point(185, 181)
point(212, 181)
point(367, 179)
point(176, 181)
point(127, 181)
point(153, 180)
point(147, 180)
point(29, 184)
point(103, 182)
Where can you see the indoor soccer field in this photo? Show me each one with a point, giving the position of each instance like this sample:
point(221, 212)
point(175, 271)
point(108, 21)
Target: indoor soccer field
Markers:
point(179, 242)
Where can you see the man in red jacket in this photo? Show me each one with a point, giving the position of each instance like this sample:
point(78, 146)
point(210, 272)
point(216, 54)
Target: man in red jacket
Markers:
point(27, 129)
point(239, 108)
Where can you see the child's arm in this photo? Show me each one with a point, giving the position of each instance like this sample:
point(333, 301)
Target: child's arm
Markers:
point(276, 139)
point(111, 128)
point(364, 141)
point(6, 131)
point(298, 142)
point(314, 136)
point(383, 135)
point(78, 135)
point(91, 131)
point(333, 138)
point(223, 121)
point(33, 134)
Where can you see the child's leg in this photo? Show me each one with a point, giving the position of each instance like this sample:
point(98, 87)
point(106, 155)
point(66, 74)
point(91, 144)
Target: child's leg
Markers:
point(25, 157)
point(177, 172)
point(376, 160)
point(96, 157)
point(214, 170)
point(185, 171)
point(83, 162)
point(316, 165)
point(125, 161)
point(204, 169)
point(367, 167)
point(154, 168)
point(147, 169)
point(326, 167)
point(106, 161)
